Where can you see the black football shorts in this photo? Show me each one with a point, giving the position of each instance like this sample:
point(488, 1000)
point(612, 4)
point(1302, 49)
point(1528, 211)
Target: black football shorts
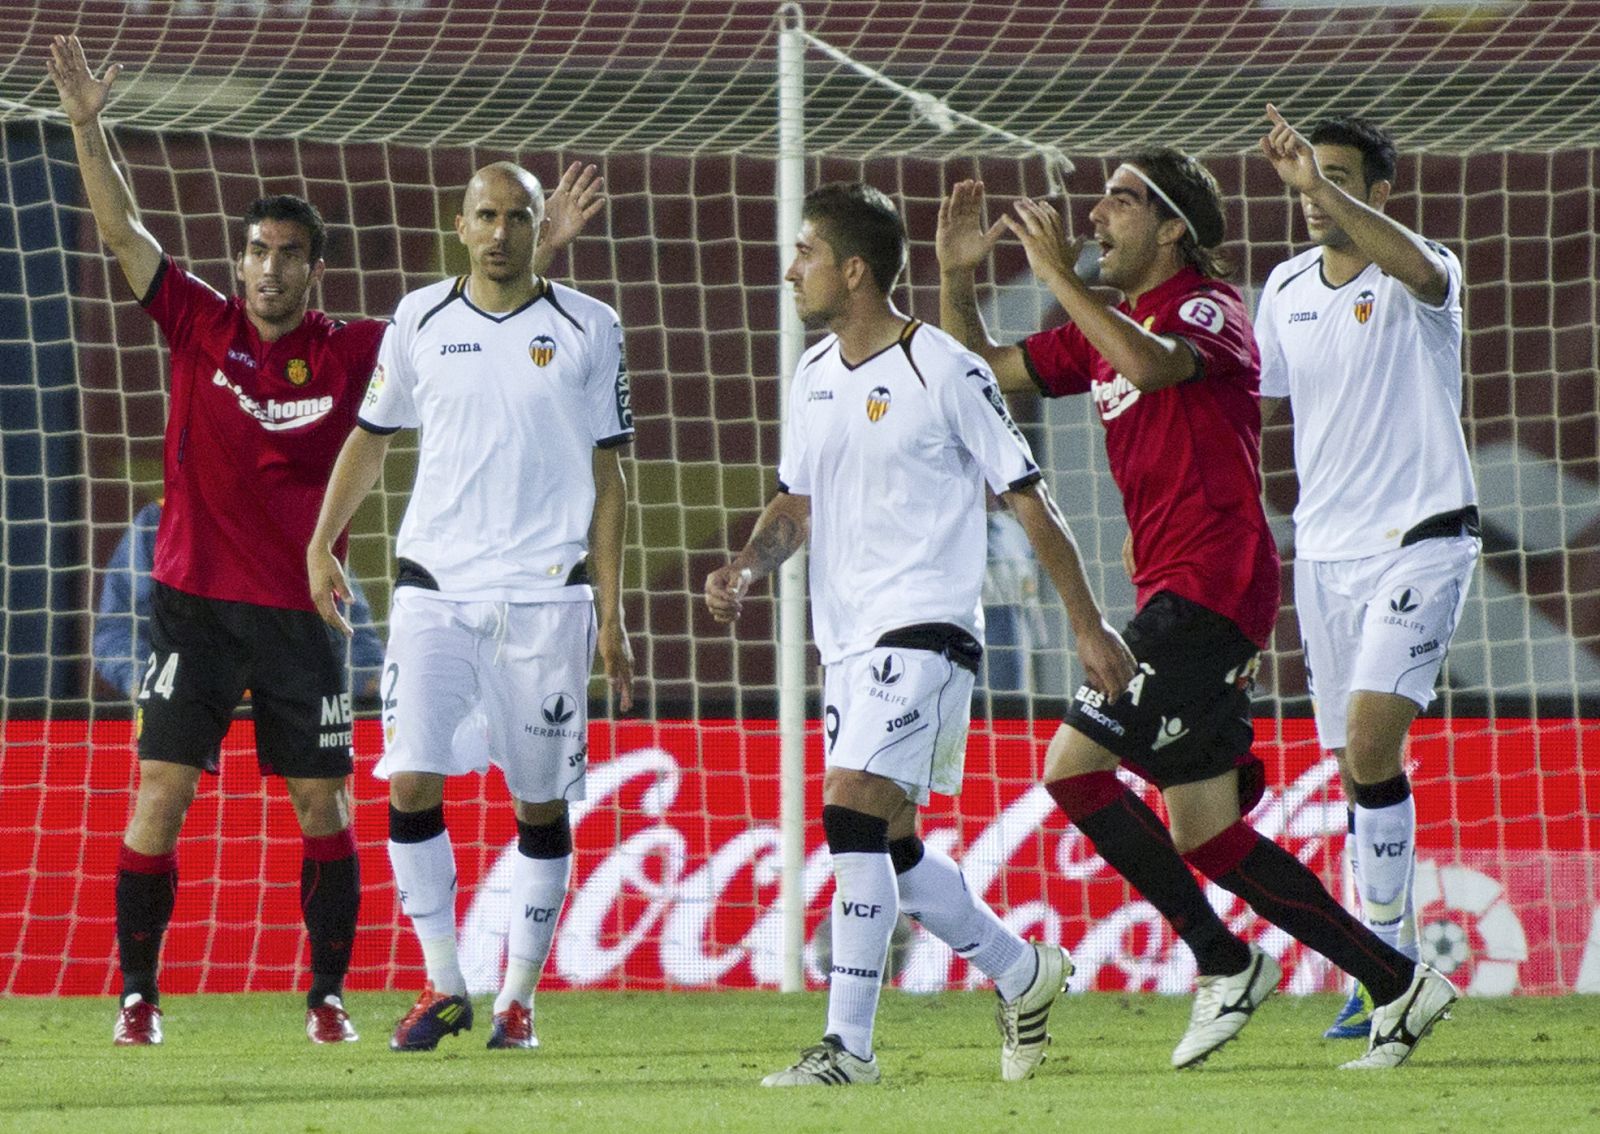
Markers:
point(1185, 717)
point(206, 652)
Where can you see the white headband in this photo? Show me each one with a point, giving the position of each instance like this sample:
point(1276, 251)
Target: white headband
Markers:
point(1166, 200)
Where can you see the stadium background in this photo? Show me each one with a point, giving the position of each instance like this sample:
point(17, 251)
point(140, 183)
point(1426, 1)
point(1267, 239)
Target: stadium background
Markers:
point(379, 112)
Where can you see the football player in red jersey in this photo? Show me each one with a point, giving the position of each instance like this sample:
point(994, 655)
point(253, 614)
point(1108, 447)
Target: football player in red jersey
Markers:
point(1172, 365)
point(264, 392)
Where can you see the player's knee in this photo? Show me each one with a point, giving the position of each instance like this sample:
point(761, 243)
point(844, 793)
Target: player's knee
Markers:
point(1071, 753)
point(416, 791)
point(321, 805)
point(854, 832)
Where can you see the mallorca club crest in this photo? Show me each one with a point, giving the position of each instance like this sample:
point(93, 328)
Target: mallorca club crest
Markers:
point(878, 402)
point(297, 372)
point(542, 350)
point(1363, 308)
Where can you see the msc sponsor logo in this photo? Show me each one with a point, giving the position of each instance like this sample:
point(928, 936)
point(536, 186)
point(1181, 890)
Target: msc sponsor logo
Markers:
point(878, 399)
point(460, 348)
point(276, 416)
point(542, 350)
point(1363, 307)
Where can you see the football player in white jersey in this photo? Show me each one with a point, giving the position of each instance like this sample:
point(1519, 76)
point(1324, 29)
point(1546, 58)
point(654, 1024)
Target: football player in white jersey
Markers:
point(511, 539)
point(1362, 335)
point(894, 432)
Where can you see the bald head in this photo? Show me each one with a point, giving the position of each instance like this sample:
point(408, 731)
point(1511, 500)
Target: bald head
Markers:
point(507, 177)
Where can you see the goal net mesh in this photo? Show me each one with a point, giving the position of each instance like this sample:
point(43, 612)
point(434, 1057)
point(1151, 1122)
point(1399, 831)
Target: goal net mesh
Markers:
point(379, 111)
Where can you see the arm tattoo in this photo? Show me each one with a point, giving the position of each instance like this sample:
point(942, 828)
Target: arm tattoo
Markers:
point(773, 543)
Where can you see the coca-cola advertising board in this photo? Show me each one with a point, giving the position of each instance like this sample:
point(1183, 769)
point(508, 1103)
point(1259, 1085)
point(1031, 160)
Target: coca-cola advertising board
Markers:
point(676, 870)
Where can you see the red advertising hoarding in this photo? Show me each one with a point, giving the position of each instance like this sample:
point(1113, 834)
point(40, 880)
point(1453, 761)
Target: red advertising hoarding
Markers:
point(676, 874)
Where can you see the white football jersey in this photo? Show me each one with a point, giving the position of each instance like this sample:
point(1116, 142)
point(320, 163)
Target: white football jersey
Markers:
point(511, 408)
point(1374, 377)
point(894, 453)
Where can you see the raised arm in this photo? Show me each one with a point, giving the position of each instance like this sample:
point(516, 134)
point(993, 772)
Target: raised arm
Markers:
point(962, 243)
point(1392, 246)
point(577, 198)
point(359, 465)
point(606, 533)
point(1150, 362)
point(779, 533)
point(83, 97)
point(1107, 662)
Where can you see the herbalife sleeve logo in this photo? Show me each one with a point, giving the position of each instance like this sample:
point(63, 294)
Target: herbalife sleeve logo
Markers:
point(889, 671)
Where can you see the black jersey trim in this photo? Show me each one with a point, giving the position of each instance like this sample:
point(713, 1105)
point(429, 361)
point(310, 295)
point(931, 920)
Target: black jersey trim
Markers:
point(548, 291)
point(900, 341)
point(457, 291)
point(817, 352)
point(1026, 480)
point(150, 292)
point(905, 345)
point(1033, 373)
point(615, 441)
point(380, 430)
point(1199, 360)
point(1301, 272)
point(1323, 276)
point(539, 293)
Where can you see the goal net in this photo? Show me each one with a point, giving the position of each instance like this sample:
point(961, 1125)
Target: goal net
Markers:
point(379, 110)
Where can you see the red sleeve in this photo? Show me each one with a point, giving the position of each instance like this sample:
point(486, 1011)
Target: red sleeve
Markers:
point(1059, 360)
point(360, 341)
point(179, 302)
point(1212, 320)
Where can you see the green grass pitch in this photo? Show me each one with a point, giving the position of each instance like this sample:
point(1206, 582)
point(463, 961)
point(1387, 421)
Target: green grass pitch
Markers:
point(654, 1063)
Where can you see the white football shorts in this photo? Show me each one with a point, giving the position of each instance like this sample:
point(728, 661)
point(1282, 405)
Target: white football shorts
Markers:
point(901, 714)
point(1380, 624)
point(469, 684)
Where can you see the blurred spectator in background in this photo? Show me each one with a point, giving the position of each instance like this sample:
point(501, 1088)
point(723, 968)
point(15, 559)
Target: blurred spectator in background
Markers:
point(122, 622)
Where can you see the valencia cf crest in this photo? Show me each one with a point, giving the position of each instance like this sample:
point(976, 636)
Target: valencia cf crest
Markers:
point(878, 402)
point(1363, 308)
point(542, 350)
point(297, 372)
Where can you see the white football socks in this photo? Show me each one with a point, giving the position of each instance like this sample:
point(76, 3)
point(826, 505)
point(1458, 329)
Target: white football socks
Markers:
point(1385, 868)
point(935, 893)
point(425, 874)
point(538, 888)
point(865, 907)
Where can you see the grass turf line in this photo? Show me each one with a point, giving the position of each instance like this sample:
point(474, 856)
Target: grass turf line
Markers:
point(653, 1063)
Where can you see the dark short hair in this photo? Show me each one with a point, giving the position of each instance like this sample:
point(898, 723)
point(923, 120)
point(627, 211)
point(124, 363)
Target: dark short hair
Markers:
point(859, 220)
point(1378, 154)
point(286, 207)
point(1194, 190)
